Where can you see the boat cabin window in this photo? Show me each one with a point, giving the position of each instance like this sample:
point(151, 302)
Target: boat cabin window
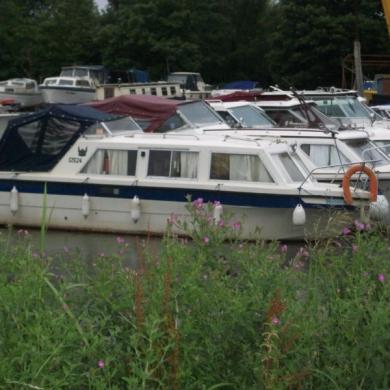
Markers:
point(228, 118)
point(172, 123)
point(250, 116)
point(199, 113)
point(367, 151)
point(285, 118)
point(173, 164)
point(291, 168)
point(384, 145)
point(65, 82)
point(324, 155)
point(112, 162)
point(241, 167)
point(173, 91)
point(82, 83)
point(164, 91)
point(81, 72)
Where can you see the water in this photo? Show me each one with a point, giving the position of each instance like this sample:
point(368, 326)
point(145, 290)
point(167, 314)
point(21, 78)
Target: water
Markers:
point(86, 245)
point(91, 245)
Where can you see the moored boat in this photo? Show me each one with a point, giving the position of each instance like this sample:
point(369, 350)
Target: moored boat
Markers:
point(91, 172)
point(23, 91)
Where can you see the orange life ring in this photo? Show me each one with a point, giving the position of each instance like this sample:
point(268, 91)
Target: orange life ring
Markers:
point(347, 178)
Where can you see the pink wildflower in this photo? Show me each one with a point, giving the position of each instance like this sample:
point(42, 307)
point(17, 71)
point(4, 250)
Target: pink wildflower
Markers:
point(216, 203)
point(101, 363)
point(206, 240)
point(221, 223)
point(275, 320)
point(346, 231)
point(303, 252)
point(284, 248)
point(381, 278)
point(236, 225)
point(359, 225)
point(198, 203)
point(120, 240)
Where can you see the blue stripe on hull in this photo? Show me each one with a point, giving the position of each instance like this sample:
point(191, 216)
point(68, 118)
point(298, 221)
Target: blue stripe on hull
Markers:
point(160, 194)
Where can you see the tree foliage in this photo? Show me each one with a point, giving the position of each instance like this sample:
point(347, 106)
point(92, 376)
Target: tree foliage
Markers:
point(289, 42)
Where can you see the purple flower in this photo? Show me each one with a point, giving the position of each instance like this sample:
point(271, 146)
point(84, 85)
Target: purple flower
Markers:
point(275, 320)
point(346, 231)
point(284, 248)
point(23, 232)
point(198, 203)
point(206, 240)
point(216, 203)
point(236, 225)
point(101, 363)
point(120, 240)
point(381, 278)
point(303, 252)
point(221, 223)
point(359, 225)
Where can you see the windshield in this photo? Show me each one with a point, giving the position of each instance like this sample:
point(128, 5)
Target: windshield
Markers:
point(199, 114)
point(249, 116)
point(341, 107)
point(177, 78)
point(367, 152)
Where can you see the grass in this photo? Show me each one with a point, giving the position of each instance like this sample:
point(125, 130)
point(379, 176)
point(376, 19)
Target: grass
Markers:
point(212, 313)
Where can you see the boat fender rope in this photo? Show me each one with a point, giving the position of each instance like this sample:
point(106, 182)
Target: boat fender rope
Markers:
point(347, 178)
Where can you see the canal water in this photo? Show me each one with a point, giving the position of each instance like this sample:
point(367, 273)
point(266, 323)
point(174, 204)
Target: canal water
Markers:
point(89, 245)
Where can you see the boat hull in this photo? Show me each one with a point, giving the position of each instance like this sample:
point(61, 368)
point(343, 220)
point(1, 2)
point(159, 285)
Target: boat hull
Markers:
point(24, 99)
point(55, 94)
point(110, 210)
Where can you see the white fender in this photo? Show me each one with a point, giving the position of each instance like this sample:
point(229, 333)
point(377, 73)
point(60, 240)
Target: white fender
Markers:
point(85, 206)
point(380, 208)
point(299, 215)
point(14, 200)
point(135, 210)
point(218, 210)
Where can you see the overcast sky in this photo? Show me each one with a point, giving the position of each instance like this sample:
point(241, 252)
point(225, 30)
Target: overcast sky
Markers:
point(101, 3)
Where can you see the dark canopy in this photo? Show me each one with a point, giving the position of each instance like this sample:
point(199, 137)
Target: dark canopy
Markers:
point(156, 110)
point(244, 84)
point(37, 141)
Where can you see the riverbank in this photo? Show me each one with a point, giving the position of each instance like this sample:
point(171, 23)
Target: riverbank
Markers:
point(206, 315)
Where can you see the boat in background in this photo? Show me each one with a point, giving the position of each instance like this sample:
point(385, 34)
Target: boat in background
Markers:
point(23, 91)
point(74, 85)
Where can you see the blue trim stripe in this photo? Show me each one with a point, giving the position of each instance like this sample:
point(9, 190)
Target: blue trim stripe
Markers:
point(162, 194)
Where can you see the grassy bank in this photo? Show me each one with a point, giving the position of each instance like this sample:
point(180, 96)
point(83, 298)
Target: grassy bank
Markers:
point(200, 314)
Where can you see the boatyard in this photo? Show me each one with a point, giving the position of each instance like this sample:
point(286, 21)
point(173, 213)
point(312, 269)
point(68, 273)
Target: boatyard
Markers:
point(194, 195)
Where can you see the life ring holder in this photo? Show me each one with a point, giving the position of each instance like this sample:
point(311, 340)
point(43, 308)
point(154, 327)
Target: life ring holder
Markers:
point(347, 178)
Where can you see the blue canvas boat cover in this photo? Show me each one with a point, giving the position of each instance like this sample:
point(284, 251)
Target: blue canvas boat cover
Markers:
point(245, 84)
point(37, 141)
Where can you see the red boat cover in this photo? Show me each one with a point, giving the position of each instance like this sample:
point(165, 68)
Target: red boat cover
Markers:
point(249, 97)
point(154, 109)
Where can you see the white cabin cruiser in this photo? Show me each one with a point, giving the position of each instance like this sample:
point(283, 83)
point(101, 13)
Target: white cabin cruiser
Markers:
point(24, 91)
point(92, 173)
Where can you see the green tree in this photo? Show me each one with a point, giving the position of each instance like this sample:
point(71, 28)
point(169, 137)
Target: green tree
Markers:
point(40, 36)
point(311, 37)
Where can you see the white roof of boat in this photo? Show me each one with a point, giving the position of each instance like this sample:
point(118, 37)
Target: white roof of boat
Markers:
point(293, 102)
point(167, 140)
